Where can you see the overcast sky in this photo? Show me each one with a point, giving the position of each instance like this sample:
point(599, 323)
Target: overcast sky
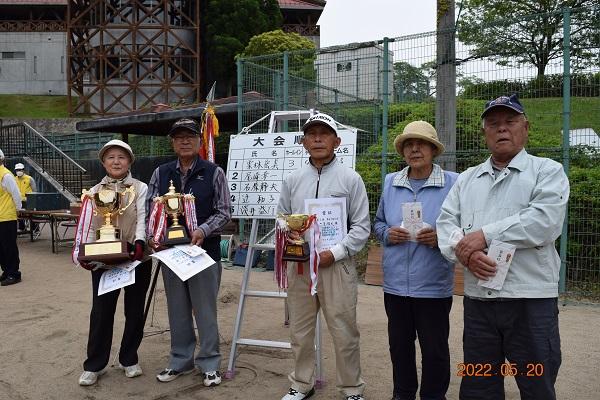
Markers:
point(347, 21)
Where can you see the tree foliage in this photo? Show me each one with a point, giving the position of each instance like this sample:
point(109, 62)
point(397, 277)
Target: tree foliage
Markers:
point(517, 32)
point(274, 42)
point(410, 83)
point(229, 26)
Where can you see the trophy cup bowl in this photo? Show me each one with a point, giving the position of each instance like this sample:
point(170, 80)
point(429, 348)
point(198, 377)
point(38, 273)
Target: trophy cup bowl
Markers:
point(297, 250)
point(176, 233)
point(108, 247)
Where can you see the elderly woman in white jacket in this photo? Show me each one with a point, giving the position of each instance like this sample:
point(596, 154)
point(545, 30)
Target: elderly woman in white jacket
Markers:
point(116, 157)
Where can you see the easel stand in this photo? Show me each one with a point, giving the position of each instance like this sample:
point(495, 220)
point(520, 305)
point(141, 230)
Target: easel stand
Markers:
point(254, 244)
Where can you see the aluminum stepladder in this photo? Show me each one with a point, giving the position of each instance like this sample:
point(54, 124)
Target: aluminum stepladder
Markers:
point(262, 244)
point(277, 120)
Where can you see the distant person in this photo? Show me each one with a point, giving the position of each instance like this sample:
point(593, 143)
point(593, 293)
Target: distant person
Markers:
point(10, 202)
point(116, 157)
point(326, 177)
point(418, 282)
point(196, 298)
point(26, 185)
point(517, 200)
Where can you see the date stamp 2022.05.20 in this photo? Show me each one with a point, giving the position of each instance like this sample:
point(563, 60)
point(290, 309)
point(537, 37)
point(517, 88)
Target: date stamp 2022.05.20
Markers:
point(505, 369)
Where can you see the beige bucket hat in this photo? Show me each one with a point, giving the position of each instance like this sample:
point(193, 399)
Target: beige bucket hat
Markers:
point(419, 130)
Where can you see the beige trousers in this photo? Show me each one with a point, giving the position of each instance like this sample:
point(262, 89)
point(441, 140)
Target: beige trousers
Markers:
point(337, 297)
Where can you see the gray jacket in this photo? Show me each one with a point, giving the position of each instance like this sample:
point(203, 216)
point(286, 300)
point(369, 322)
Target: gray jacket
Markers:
point(333, 180)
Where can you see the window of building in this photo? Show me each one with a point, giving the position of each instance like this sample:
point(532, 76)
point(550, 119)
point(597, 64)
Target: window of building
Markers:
point(13, 55)
point(343, 67)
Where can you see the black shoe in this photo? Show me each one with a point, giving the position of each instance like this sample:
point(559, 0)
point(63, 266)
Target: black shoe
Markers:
point(3, 277)
point(11, 280)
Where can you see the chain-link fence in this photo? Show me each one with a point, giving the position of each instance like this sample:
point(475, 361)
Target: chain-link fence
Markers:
point(380, 86)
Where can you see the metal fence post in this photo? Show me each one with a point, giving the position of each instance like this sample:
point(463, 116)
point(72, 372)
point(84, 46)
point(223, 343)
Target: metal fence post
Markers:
point(286, 82)
point(565, 139)
point(240, 100)
point(384, 122)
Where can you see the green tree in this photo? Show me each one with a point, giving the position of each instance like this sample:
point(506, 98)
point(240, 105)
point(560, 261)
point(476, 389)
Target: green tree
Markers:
point(410, 83)
point(229, 26)
point(274, 42)
point(495, 32)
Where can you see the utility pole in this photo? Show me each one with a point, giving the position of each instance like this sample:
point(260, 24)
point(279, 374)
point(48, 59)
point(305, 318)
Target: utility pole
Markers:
point(445, 110)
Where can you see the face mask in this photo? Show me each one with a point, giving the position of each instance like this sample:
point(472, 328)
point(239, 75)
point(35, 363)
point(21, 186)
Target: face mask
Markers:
point(20, 173)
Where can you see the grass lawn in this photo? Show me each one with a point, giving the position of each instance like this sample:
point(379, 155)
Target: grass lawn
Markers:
point(28, 106)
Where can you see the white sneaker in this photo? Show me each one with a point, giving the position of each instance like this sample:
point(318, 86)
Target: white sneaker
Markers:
point(88, 378)
point(293, 394)
point(168, 374)
point(355, 397)
point(132, 371)
point(212, 378)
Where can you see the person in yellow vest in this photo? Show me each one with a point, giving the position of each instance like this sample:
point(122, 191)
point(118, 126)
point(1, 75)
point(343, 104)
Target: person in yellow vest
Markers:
point(26, 184)
point(10, 202)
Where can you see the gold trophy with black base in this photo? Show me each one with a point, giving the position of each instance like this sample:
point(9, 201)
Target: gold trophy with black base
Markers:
point(176, 233)
point(297, 249)
point(108, 247)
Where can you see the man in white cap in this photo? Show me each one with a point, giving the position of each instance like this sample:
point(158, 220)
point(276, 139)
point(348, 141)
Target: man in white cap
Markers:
point(10, 202)
point(326, 177)
point(26, 184)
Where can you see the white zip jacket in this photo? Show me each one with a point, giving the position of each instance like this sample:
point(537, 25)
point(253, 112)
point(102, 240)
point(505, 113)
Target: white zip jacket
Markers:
point(333, 180)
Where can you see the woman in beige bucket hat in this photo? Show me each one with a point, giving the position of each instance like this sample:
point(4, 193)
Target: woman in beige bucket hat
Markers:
point(417, 280)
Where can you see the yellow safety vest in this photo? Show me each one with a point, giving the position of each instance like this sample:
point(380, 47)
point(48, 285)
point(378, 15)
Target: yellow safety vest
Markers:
point(24, 184)
point(8, 210)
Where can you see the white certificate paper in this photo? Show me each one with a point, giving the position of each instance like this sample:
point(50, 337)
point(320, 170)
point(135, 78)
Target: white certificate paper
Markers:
point(502, 253)
point(184, 265)
point(332, 219)
point(128, 265)
point(191, 249)
point(115, 278)
point(412, 218)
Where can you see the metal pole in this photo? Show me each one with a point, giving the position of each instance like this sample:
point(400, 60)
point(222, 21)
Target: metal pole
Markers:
point(286, 82)
point(565, 139)
point(241, 302)
point(384, 122)
point(240, 114)
point(240, 88)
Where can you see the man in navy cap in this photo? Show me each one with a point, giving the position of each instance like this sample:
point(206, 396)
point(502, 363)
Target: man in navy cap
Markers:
point(196, 296)
point(514, 199)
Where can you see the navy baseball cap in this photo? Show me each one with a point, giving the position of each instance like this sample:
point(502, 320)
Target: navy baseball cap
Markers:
point(187, 124)
point(511, 102)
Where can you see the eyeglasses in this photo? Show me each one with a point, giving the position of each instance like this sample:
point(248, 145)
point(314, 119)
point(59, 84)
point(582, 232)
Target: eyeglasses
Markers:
point(183, 138)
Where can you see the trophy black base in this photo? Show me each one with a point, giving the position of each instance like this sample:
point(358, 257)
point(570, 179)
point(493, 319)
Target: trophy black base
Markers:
point(112, 252)
point(176, 235)
point(296, 252)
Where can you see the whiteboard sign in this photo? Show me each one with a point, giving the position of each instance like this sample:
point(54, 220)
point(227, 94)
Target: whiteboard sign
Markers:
point(258, 163)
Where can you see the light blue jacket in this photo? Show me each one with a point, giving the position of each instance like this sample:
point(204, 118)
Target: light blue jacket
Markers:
point(413, 269)
point(524, 206)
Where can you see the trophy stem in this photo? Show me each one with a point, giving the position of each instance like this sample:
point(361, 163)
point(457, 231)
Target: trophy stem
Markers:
point(175, 219)
point(107, 220)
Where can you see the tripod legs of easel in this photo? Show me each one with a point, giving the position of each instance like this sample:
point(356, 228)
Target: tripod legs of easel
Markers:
point(244, 292)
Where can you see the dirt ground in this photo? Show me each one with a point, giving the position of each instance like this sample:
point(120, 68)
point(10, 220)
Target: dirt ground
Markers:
point(44, 326)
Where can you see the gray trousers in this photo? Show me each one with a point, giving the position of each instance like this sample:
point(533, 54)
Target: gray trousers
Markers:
point(197, 296)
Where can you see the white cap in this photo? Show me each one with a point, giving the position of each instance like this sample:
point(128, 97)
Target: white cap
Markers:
point(118, 143)
point(322, 119)
point(19, 166)
point(1, 154)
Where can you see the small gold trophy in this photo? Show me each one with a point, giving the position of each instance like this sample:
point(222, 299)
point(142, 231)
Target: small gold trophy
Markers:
point(108, 247)
point(297, 250)
point(176, 233)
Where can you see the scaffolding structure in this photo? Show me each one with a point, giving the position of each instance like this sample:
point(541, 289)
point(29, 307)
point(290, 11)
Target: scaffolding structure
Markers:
point(125, 55)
